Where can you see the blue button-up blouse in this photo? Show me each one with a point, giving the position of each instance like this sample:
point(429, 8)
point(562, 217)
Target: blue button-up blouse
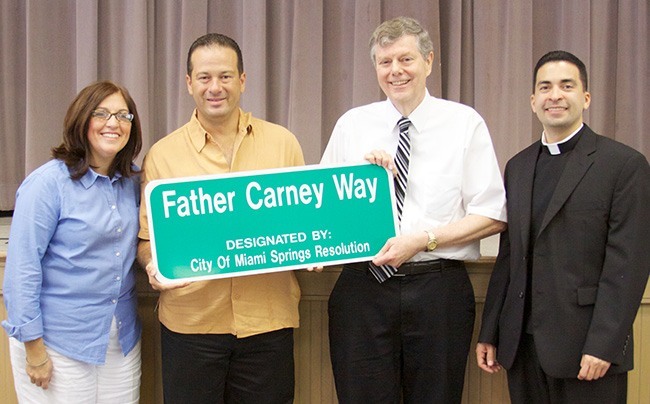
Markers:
point(69, 269)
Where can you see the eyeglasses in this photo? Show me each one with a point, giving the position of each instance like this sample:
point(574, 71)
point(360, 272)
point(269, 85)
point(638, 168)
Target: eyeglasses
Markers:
point(123, 117)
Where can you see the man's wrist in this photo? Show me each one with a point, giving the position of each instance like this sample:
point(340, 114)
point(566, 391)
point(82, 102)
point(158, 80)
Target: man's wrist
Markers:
point(432, 241)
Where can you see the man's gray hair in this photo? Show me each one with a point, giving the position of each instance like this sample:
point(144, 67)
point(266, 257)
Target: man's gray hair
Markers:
point(390, 31)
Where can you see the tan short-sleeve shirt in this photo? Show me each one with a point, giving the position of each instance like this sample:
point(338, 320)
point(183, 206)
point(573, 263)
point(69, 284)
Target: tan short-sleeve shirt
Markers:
point(242, 306)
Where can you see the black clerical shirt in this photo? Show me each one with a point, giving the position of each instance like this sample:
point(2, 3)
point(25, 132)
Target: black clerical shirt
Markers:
point(548, 170)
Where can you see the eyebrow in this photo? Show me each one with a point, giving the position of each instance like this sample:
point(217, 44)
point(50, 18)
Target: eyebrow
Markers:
point(563, 81)
point(233, 72)
point(109, 111)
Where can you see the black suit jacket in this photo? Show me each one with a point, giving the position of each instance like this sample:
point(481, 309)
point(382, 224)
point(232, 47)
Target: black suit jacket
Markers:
point(590, 263)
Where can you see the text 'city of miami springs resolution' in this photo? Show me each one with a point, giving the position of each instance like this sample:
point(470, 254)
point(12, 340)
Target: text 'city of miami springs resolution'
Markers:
point(254, 222)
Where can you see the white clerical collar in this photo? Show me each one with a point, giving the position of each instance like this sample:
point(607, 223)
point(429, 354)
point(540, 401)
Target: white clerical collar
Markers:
point(554, 148)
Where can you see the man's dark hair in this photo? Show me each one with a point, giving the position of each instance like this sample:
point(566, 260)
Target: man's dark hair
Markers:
point(215, 40)
point(561, 56)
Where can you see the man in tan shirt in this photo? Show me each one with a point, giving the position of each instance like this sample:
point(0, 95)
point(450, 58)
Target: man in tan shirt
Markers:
point(224, 340)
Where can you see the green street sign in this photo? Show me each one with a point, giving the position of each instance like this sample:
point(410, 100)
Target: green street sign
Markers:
point(255, 222)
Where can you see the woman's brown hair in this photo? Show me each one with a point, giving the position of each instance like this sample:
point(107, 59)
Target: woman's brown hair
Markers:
point(75, 148)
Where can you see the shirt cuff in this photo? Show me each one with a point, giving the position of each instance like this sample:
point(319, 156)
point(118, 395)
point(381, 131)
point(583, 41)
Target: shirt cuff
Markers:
point(27, 332)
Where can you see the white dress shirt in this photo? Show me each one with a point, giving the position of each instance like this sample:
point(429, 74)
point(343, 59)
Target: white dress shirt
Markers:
point(453, 169)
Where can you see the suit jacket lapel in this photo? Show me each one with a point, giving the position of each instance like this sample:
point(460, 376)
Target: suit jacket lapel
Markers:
point(581, 158)
point(521, 190)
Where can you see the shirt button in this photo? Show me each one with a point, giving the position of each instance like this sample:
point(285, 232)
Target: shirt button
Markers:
point(117, 278)
point(113, 301)
point(521, 295)
point(113, 207)
point(119, 230)
point(117, 254)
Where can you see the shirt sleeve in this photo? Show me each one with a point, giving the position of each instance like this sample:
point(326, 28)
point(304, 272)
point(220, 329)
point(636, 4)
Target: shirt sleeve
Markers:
point(34, 222)
point(298, 157)
point(333, 153)
point(483, 190)
point(149, 173)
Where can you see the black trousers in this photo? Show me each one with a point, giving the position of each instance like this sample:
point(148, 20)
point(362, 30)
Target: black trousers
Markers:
point(529, 384)
point(407, 338)
point(220, 368)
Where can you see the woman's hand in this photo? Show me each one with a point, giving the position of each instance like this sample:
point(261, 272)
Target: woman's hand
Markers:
point(39, 365)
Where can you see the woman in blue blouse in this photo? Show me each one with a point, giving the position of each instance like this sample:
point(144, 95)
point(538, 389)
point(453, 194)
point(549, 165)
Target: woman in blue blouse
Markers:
point(69, 284)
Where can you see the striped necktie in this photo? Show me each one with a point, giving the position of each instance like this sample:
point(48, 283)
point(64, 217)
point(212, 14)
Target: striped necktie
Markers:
point(384, 272)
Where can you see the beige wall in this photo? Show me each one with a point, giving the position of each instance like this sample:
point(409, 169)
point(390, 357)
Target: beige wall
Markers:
point(314, 382)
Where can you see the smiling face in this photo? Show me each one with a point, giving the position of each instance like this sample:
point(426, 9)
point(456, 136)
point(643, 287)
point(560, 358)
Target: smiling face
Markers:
point(559, 99)
point(108, 137)
point(215, 84)
point(402, 72)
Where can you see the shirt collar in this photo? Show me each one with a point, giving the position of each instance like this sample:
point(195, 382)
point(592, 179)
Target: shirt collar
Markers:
point(417, 117)
point(199, 136)
point(88, 179)
point(421, 113)
point(562, 146)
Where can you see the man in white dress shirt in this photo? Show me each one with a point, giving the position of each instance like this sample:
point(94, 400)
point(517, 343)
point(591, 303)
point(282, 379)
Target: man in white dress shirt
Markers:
point(407, 337)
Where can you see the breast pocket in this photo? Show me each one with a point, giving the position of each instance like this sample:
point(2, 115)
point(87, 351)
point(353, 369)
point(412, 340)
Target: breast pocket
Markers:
point(441, 195)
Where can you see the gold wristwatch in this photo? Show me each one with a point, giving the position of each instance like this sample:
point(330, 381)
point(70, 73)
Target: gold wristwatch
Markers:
point(432, 243)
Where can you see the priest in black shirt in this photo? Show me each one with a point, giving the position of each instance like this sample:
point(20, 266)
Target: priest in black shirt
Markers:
point(574, 262)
